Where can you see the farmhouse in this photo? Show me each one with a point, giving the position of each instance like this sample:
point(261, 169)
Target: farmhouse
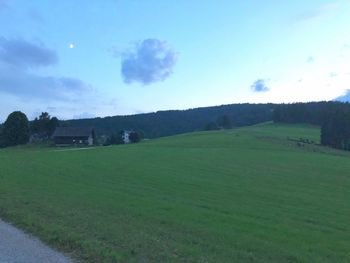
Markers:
point(125, 136)
point(70, 136)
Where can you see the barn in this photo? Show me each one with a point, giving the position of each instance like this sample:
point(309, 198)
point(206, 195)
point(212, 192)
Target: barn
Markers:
point(74, 136)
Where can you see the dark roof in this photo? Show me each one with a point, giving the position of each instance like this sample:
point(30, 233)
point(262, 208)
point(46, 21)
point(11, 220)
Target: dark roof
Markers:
point(73, 131)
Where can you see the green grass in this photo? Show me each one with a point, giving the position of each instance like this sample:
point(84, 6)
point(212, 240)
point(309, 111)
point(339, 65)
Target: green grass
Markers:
point(241, 195)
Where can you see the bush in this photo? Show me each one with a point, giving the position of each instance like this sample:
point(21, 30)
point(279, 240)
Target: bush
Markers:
point(134, 137)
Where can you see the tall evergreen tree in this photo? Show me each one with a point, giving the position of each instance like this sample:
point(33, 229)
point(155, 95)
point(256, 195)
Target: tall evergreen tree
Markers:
point(335, 131)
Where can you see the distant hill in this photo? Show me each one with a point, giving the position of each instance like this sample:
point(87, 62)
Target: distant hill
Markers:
point(165, 123)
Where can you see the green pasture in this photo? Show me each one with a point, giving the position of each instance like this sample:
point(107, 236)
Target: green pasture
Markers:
point(252, 194)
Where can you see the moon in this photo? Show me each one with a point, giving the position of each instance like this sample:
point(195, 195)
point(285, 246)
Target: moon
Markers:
point(71, 46)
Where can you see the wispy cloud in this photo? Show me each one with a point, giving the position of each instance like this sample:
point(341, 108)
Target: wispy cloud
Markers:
point(310, 59)
point(333, 74)
point(151, 61)
point(259, 86)
point(3, 4)
point(29, 85)
point(18, 61)
point(321, 12)
point(84, 115)
point(21, 53)
point(35, 16)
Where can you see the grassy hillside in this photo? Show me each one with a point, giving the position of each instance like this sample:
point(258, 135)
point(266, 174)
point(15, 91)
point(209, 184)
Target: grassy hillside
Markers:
point(244, 195)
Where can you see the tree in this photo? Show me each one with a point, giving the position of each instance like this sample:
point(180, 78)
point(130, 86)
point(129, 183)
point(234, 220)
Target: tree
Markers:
point(211, 126)
point(16, 129)
point(44, 126)
point(2, 139)
point(134, 137)
point(52, 125)
point(224, 122)
point(115, 138)
point(335, 131)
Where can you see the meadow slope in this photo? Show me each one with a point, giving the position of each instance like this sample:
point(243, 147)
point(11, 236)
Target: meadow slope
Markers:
point(242, 195)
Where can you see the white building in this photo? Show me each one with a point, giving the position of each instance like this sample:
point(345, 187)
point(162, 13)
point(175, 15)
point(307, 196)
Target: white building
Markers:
point(125, 136)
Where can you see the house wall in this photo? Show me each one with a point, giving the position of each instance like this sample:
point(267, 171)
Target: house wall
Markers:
point(68, 141)
point(90, 140)
point(125, 137)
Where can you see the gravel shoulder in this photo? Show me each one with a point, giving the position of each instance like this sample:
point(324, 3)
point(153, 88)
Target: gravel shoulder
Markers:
point(19, 247)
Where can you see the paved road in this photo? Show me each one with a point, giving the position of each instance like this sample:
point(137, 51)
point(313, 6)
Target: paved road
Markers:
point(18, 247)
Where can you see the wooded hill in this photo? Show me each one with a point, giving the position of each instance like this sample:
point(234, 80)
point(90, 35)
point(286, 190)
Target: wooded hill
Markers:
point(165, 123)
point(333, 117)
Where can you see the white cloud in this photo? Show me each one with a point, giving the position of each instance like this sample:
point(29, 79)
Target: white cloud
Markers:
point(151, 61)
point(259, 86)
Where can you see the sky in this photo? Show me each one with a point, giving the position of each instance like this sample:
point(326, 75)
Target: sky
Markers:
point(83, 59)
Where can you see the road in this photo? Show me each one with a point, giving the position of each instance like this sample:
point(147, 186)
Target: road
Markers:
point(18, 247)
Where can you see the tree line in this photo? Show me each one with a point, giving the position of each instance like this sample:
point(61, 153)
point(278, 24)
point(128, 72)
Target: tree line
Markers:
point(148, 125)
point(335, 130)
point(18, 130)
point(333, 117)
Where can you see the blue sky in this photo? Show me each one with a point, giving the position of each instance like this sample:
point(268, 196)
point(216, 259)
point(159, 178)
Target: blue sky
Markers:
point(80, 58)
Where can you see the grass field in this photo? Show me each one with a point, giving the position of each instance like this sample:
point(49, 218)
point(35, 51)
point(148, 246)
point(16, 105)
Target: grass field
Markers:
point(241, 195)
